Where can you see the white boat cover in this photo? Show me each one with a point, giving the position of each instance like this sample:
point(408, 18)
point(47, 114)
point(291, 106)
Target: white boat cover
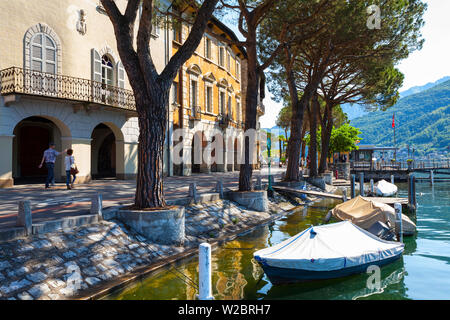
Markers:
point(364, 213)
point(385, 189)
point(329, 247)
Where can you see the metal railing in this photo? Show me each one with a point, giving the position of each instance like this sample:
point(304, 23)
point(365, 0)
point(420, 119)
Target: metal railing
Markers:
point(400, 165)
point(16, 80)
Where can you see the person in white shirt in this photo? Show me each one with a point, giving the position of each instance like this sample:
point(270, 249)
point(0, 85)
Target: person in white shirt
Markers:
point(69, 163)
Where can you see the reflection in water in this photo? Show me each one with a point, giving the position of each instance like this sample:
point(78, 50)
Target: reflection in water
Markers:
point(422, 272)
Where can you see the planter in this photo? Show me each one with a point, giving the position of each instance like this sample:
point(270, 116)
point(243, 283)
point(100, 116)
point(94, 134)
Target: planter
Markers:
point(165, 226)
point(253, 200)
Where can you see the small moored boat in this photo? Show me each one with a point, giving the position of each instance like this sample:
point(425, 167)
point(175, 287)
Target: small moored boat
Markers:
point(385, 189)
point(365, 213)
point(326, 252)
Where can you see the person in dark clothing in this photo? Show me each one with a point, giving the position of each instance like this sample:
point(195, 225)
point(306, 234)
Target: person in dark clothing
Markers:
point(49, 158)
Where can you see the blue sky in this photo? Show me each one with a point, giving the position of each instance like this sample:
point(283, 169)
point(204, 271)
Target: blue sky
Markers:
point(428, 65)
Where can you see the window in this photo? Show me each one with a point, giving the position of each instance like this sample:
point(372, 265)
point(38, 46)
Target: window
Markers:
point(222, 103)
point(229, 110)
point(222, 56)
point(107, 71)
point(208, 48)
point(238, 69)
point(174, 92)
point(228, 61)
point(238, 110)
point(43, 54)
point(193, 95)
point(209, 97)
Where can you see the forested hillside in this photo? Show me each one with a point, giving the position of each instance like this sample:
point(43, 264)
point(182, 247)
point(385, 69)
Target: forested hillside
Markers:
point(422, 121)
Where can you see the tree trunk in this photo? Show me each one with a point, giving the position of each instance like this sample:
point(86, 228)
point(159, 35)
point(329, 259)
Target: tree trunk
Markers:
point(327, 128)
point(251, 102)
point(152, 128)
point(312, 152)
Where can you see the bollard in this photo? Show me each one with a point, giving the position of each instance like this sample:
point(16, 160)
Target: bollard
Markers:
point(431, 177)
point(352, 187)
point(344, 195)
point(361, 184)
point(24, 216)
point(392, 178)
point(193, 190)
point(219, 188)
point(258, 183)
point(398, 221)
point(96, 205)
point(204, 272)
point(371, 187)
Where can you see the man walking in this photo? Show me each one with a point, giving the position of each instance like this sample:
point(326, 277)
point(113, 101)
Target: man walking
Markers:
point(50, 157)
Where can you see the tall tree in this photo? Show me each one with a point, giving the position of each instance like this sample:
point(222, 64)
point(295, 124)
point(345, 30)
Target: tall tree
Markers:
point(151, 90)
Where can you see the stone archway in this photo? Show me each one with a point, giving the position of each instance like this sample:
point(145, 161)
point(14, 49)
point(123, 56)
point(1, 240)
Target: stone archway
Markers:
point(32, 136)
point(107, 152)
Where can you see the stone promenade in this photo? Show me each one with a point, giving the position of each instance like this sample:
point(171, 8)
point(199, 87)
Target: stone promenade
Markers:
point(62, 264)
point(59, 202)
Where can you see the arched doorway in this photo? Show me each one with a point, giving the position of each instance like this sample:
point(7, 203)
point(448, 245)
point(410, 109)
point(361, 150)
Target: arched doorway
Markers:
point(103, 152)
point(199, 143)
point(32, 136)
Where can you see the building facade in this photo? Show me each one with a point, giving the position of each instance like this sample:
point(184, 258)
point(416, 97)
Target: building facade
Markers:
point(62, 81)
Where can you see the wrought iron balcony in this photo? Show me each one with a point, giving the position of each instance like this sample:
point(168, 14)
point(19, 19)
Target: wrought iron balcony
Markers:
point(196, 113)
point(20, 81)
point(224, 120)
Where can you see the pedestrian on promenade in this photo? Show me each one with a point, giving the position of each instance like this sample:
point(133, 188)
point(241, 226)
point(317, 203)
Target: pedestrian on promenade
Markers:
point(50, 157)
point(71, 169)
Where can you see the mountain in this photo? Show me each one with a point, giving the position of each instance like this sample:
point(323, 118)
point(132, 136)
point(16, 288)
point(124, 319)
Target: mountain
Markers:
point(356, 111)
point(422, 120)
point(418, 89)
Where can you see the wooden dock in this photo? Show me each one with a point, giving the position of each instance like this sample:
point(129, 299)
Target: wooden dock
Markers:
point(309, 192)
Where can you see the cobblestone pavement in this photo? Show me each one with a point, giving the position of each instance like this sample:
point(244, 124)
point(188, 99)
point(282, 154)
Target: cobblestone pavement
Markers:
point(61, 264)
point(59, 202)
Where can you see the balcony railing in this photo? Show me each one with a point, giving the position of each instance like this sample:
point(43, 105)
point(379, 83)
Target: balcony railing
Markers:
point(24, 81)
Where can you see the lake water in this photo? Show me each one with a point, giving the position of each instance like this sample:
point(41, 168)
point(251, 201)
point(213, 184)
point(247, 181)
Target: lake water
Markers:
point(422, 273)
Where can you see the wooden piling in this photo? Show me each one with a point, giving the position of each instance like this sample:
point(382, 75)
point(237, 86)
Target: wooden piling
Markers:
point(361, 184)
point(431, 177)
point(398, 221)
point(352, 186)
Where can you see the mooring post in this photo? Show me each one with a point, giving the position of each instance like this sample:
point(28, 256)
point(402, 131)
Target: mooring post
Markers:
point(344, 195)
point(392, 178)
point(24, 216)
point(371, 187)
point(352, 187)
point(398, 221)
point(204, 272)
point(409, 189)
point(97, 205)
point(361, 184)
point(431, 177)
point(193, 190)
point(414, 191)
point(219, 188)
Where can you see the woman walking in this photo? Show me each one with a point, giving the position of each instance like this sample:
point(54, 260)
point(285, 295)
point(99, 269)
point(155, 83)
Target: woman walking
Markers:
point(71, 169)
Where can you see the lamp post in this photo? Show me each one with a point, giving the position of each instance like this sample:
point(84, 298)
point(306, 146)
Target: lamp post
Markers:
point(269, 146)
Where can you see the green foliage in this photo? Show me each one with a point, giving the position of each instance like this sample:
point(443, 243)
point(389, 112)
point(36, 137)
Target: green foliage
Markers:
point(422, 121)
point(342, 139)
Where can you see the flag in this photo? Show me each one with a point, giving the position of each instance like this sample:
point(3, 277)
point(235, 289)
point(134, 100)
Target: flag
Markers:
point(393, 120)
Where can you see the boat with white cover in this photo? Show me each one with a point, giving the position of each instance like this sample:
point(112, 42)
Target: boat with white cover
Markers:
point(326, 252)
point(385, 189)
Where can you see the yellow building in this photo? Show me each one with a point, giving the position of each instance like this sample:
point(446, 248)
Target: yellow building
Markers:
point(62, 81)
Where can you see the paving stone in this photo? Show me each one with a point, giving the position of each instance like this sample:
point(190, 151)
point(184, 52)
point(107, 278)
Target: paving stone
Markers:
point(54, 296)
point(133, 246)
point(69, 254)
point(39, 290)
point(91, 271)
point(25, 296)
point(36, 277)
point(56, 283)
point(92, 281)
point(14, 286)
point(95, 237)
point(4, 265)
